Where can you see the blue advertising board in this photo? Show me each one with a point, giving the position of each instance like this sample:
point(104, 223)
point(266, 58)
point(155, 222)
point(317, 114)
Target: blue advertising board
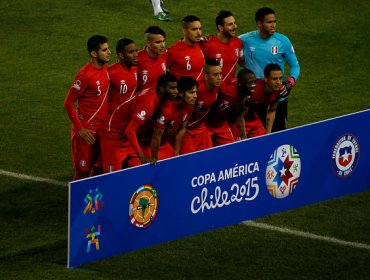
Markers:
point(151, 204)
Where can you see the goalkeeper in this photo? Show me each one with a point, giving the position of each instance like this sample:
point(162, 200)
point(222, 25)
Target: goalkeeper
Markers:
point(264, 46)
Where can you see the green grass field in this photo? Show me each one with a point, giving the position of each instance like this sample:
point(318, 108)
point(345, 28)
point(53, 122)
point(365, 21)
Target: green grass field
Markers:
point(43, 46)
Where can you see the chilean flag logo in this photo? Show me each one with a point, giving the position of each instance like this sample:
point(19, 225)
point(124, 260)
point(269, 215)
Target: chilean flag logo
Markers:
point(345, 156)
point(274, 50)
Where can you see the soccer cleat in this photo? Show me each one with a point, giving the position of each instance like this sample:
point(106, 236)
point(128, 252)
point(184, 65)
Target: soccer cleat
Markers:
point(164, 9)
point(162, 17)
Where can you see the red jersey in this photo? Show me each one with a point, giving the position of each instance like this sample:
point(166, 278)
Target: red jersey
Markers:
point(227, 54)
point(140, 108)
point(91, 85)
point(205, 99)
point(170, 117)
point(123, 84)
point(227, 102)
point(259, 101)
point(149, 69)
point(184, 60)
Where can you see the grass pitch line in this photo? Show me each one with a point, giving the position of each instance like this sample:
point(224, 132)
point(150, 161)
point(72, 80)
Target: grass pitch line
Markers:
point(32, 178)
point(307, 235)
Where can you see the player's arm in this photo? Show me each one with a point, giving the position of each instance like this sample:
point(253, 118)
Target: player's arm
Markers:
point(270, 117)
point(130, 132)
point(240, 121)
point(86, 134)
point(156, 143)
point(179, 137)
point(292, 61)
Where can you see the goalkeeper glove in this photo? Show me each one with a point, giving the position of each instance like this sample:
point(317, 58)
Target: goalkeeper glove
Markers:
point(286, 88)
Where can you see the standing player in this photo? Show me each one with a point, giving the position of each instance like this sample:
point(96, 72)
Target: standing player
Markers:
point(152, 59)
point(197, 137)
point(264, 98)
point(160, 11)
point(225, 47)
point(171, 123)
point(265, 46)
point(185, 58)
point(116, 152)
point(89, 90)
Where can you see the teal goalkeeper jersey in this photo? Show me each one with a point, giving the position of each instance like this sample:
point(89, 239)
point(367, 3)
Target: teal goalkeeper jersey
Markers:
point(259, 52)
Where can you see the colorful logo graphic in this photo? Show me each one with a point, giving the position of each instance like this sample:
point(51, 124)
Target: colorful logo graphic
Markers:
point(92, 236)
point(345, 155)
point(93, 201)
point(143, 206)
point(283, 171)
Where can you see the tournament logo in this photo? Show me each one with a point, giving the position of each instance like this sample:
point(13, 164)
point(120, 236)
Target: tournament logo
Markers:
point(92, 236)
point(345, 155)
point(93, 201)
point(283, 171)
point(143, 206)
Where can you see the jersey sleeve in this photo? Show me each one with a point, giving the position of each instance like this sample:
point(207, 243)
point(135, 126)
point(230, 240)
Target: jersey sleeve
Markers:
point(291, 59)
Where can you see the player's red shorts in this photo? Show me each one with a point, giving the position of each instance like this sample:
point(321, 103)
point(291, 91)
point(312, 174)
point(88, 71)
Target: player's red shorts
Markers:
point(84, 155)
point(117, 153)
point(196, 139)
point(254, 128)
point(221, 133)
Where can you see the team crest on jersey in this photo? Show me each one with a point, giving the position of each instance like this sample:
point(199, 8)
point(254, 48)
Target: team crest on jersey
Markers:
point(77, 85)
point(274, 50)
point(161, 120)
point(143, 206)
point(283, 171)
point(345, 155)
point(141, 115)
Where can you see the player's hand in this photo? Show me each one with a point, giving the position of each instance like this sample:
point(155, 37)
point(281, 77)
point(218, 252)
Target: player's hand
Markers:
point(143, 158)
point(153, 161)
point(286, 89)
point(87, 135)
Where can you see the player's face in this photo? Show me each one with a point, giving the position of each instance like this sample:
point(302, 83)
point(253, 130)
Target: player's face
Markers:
point(229, 27)
point(156, 43)
point(130, 54)
point(103, 54)
point(275, 80)
point(190, 96)
point(214, 76)
point(268, 26)
point(248, 83)
point(193, 32)
point(170, 90)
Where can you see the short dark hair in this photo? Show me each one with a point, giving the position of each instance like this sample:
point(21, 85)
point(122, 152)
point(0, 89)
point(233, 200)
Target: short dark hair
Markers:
point(243, 72)
point(122, 43)
point(186, 83)
point(221, 16)
point(94, 42)
point(188, 19)
point(262, 12)
point(271, 67)
point(164, 79)
point(210, 62)
point(156, 30)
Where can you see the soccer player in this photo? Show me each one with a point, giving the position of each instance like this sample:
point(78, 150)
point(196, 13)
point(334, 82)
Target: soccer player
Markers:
point(141, 114)
point(265, 96)
point(225, 47)
point(89, 90)
point(222, 117)
point(265, 46)
point(197, 137)
point(160, 11)
point(185, 58)
point(152, 59)
point(117, 152)
point(171, 123)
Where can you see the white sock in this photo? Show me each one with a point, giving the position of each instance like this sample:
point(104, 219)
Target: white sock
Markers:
point(157, 7)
